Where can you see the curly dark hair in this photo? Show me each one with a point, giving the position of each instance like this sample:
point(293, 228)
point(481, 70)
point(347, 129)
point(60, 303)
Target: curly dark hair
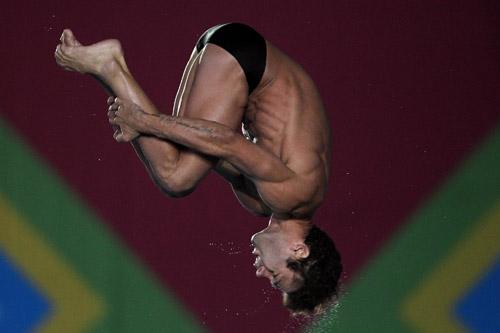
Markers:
point(320, 273)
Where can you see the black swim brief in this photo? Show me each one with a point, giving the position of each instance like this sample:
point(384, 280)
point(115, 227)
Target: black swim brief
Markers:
point(244, 43)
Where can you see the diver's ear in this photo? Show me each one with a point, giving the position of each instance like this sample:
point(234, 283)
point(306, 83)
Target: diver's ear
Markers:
point(301, 251)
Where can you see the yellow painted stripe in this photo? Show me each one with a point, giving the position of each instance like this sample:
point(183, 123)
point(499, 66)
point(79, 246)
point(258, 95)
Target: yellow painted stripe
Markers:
point(75, 306)
point(430, 307)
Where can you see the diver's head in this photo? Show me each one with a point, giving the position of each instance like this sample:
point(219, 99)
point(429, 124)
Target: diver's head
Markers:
point(301, 260)
point(281, 241)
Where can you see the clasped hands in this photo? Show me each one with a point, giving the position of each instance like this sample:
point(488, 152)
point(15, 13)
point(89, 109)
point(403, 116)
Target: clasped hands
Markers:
point(126, 118)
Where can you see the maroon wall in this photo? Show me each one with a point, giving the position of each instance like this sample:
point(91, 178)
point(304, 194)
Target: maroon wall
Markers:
point(410, 88)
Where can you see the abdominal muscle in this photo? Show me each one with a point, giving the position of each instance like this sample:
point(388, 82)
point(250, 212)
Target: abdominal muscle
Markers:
point(286, 115)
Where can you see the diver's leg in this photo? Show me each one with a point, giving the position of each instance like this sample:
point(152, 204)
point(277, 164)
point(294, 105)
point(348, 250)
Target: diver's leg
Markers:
point(163, 159)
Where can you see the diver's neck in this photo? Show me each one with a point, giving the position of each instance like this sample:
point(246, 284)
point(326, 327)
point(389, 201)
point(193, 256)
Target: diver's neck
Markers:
point(299, 225)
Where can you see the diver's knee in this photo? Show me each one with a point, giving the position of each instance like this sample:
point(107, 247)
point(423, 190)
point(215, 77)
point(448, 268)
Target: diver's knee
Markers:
point(176, 194)
point(176, 186)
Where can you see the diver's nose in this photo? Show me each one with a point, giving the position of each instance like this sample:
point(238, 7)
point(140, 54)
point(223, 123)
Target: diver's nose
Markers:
point(252, 239)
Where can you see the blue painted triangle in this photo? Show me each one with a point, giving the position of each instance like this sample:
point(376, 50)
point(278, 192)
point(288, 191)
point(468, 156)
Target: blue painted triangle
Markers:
point(479, 309)
point(22, 306)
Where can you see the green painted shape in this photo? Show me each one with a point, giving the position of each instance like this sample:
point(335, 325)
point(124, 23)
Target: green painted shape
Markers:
point(135, 300)
point(372, 302)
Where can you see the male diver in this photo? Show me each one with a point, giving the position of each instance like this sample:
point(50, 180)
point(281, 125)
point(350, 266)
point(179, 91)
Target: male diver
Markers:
point(250, 113)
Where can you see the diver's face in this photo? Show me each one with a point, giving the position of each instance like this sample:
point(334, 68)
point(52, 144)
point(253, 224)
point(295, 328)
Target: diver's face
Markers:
point(272, 248)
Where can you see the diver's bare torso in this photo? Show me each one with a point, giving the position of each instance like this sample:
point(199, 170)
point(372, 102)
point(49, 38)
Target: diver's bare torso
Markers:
point(285, 116)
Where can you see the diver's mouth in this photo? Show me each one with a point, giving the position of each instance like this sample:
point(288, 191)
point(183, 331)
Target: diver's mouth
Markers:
point(255, 250)
point(258, 262)
point(259, 265)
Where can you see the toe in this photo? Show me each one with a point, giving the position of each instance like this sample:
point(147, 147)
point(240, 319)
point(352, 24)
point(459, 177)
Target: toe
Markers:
point(71, 38)
point(68, 38)
point(66, 34)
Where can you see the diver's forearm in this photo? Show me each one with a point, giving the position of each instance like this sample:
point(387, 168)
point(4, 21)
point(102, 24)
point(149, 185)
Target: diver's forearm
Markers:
point(206, 137)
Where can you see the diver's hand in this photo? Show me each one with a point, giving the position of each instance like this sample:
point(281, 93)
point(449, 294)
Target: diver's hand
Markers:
point(123, 132)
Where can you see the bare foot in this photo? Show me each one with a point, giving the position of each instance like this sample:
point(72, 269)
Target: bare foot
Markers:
point(101, 59)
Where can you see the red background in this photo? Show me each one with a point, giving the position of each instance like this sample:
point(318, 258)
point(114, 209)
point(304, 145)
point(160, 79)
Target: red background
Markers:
point(410, 88)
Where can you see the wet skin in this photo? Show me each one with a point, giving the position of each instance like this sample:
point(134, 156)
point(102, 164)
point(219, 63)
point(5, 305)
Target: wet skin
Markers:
point(283, 173)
